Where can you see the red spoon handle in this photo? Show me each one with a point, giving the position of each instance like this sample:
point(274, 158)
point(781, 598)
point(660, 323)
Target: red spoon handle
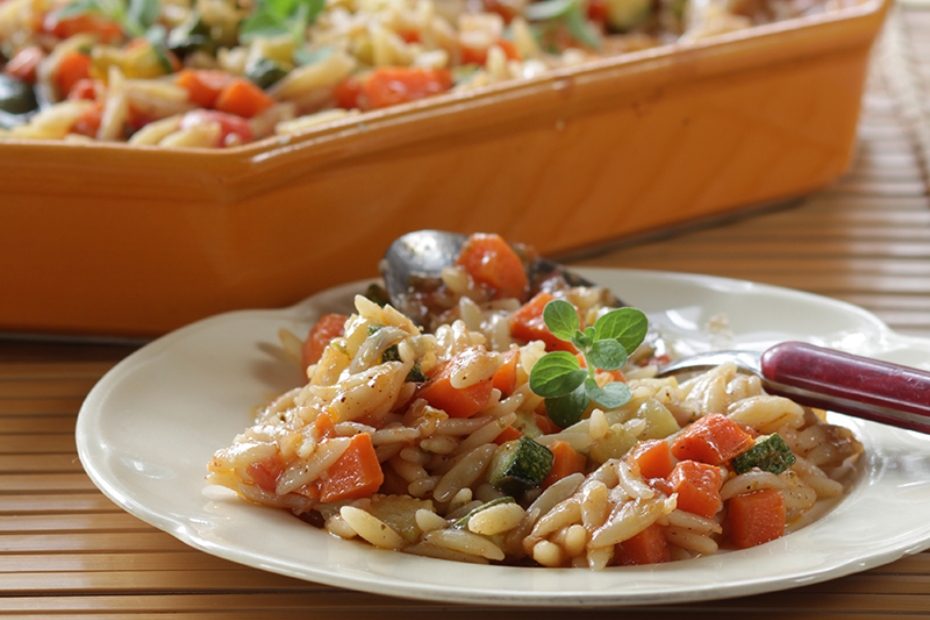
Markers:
point(858, 386)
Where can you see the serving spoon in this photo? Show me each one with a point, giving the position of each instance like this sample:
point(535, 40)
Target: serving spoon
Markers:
point(829, 379)
point(808, 374)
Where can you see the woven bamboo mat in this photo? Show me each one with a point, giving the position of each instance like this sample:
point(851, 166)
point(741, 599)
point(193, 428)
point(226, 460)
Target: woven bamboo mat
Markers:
point(66, 551)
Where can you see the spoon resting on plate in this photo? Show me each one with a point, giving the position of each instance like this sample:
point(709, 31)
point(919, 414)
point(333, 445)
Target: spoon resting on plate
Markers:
point(829, 379)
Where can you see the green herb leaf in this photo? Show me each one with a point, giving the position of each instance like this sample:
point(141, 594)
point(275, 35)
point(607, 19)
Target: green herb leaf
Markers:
point(628, 326)
point(556, 374)
point(581, 29)
point(262, 25)
point(581, 340)
point(610, 396)
point(306, 56)
point(141, 15)
point(561, 319)
point(548, 9)
point(567, 410)
point(416, 375)
point(606, 354)
point(274, 18)
point(77, 8)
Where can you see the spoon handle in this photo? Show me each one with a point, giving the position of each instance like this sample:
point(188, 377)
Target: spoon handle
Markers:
point(858, 386)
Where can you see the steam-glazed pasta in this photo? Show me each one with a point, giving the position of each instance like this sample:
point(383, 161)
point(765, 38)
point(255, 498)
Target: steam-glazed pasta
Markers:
point(439, 443)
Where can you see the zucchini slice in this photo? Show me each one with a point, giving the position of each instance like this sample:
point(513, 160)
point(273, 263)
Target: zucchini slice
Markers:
point(520, 465)
point(770, 453)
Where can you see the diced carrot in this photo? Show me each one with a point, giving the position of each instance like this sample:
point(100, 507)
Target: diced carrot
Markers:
point(85, 89)
point(755, 518)
point(479, 55)
point(647, 547)
point(89, 123)
point(713, 439)
point(265, 473)
point(410, 35)
point(72, 68)
point(491, 262)
point(545, 424)
point(508, 434)
point(243, 98)
point(23, 65)
point(698, 487)
point(527, 324)
point(565, 461)
point(505, 377)
point(323, 427)
point(203, 86)
point(106, 30)
point(355, 474)
point(654, 459)
point(389, 86)
point(328, 327)
point(457, 402)
point(507, 10)
point(233, 129)
point(597, 11)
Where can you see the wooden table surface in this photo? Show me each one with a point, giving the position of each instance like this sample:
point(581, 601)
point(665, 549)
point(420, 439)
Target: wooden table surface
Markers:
point(66, 551)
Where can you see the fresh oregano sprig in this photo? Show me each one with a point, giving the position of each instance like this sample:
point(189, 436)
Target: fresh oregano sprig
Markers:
point(558, 376)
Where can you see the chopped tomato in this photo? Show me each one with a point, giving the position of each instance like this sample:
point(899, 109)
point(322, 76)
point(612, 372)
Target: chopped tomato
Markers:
point(713, 439)
point(755, 518)
point(233, 129)
point(84, 89)
point(491, 262)
point(24, 64)
point(597, 11)
point(356, 474)
point(265, 473)
point(566, 461)
point(72, 68)
point(89, 123)
point(203, 86)
point(698, 487)
point(654, 459)
point(457, 402)
point(328, 327)
point(243, 98)
point(347, 93)
point(647, 547)
point(106, 30)
point(389, 86)
point(527, 324)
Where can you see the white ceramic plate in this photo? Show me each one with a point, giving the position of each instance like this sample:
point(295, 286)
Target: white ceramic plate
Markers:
point(147, 430)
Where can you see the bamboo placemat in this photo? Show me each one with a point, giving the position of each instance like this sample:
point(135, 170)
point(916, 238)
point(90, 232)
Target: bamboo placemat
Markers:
point(66, 551)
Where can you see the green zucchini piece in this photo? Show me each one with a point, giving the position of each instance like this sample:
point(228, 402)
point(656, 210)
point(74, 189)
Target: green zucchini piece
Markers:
point(265, 73)
point(463, 522)
point(660, 423)
point(770, 453)
point(191, 36)
point(520, 465)
point(16, 97)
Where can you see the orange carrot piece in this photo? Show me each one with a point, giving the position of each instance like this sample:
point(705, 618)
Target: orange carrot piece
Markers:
point(72, 68)
point(755, 518)
point(713, 439)
point(647, 547)
point(508, 434)
point(654, 459)
point(505, 377)
point(265, 473)
point(243, 98)
point(105, 29)
point(698, 487)
point(24, 64)
point(321, 334)
point(491, 262)
point(565, 461)
point(457, 402)
point(479, 55)
point(527, 324)
point(203, 86)
point(323, 427)
point(89, 123)
point(356, 474)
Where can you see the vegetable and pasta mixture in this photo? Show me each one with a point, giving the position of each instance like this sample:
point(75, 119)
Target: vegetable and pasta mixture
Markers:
point(525, 425)
point(219, 73)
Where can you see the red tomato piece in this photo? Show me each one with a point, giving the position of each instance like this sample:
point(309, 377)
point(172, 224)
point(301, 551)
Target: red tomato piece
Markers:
point(527, 324)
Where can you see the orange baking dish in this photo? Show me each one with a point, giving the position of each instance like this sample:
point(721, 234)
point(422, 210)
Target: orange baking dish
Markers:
point(122, 240)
